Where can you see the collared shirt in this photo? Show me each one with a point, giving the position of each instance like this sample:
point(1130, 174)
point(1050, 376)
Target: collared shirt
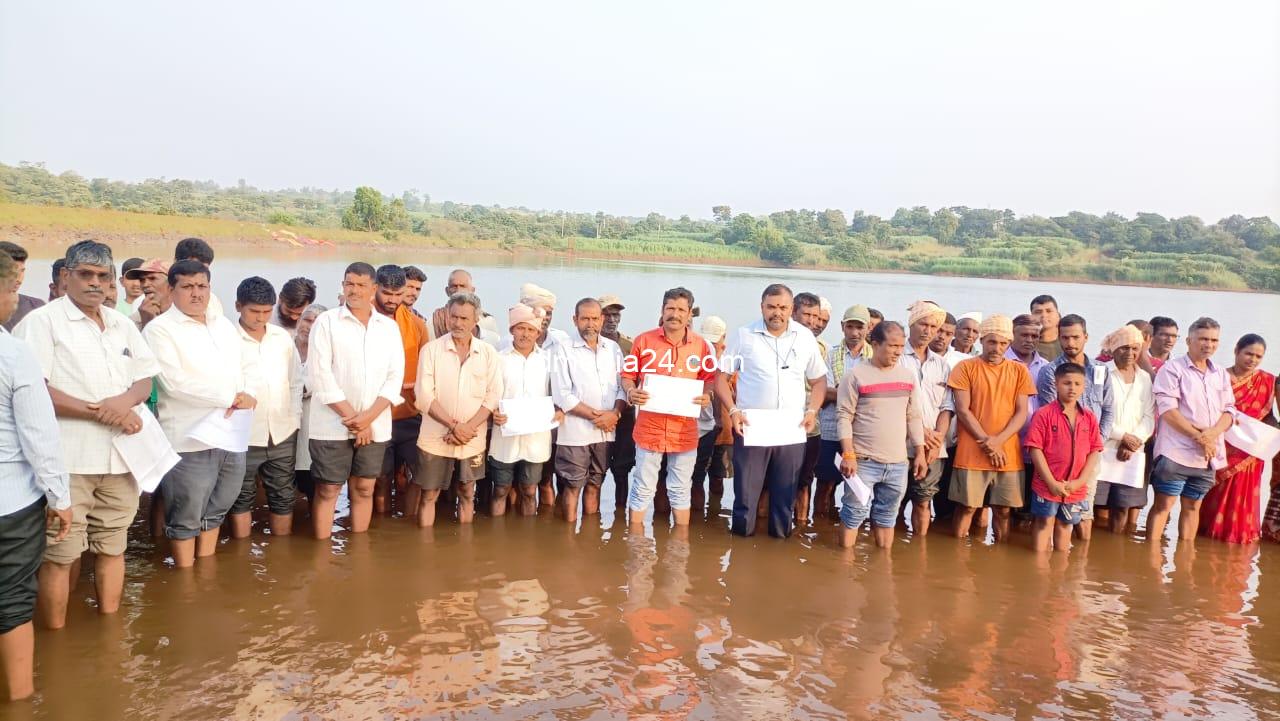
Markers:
point(1038, 362)
point(26, 304)
point(1097, 390)
point(462, 386)
point(932, 394)
point(1202, 397)
point(1066, 448)
point(653, 354)
point(808, 386)
point(580, 374)
point(30, 456)
point(350, 361)
point(1135, 407)
point(772, 370)
point(839, 360)
point(202, 368)
point(554, 336)
point(279, 410)
point(523, 377)
point(953, 357)
point(91, 364)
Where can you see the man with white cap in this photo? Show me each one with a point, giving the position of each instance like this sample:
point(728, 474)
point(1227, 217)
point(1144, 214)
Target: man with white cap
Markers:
point(622, 454)
point(773, 358)
point(674, 350)
point(966, 340)
point(855, 323)
point(1116, 504)
point(824, 315)
point(936, 406)
point(536, 296)
point(525, 371)
point(715, 448)
point(991, 394)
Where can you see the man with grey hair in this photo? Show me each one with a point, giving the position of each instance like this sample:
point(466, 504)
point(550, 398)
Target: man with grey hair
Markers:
point(458, 386)
point(98, 371)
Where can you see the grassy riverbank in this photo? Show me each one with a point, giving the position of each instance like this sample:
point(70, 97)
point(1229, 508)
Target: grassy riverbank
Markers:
point(47, 229)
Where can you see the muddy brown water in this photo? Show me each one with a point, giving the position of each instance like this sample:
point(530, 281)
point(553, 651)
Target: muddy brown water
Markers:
point(518, 618)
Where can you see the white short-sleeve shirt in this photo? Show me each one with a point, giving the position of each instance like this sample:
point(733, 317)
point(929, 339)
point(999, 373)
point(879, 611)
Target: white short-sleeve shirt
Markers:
point(772, 370)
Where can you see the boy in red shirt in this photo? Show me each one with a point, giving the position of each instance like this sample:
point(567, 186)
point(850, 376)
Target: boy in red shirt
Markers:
point(1065, 447)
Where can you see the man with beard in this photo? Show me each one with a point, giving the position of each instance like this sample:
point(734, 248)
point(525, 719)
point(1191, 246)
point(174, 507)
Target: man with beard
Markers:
point(401, 461)
point(295, 295)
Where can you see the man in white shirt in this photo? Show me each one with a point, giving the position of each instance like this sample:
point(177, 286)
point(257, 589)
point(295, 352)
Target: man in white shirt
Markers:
point(200, 251)
point(773, 358)
point(355, 369)
point(584, 382)
point(935, 405)
point(204, 369)
point(526, 373)
point(273, 440)
point(99, 371)
point(34, 495)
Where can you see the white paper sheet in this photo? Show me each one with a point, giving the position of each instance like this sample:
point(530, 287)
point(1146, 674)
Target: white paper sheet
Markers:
point(218, 431)
point(1127, 473)
point(861, 491)
point(1254, 437)
point(768, 427)
point(672, 396)
point(147, 453)
point(527, 415)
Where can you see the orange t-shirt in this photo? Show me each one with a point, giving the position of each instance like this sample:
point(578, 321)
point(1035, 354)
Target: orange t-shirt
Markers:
point(652, 353)
point(413, 334)
point(993, 391)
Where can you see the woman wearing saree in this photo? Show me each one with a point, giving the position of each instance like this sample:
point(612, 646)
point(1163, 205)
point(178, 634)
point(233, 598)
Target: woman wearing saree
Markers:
point(1231, 509)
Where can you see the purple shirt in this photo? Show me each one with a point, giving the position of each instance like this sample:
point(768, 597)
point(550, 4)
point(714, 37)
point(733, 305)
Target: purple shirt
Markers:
point(1202, 397)
point(1033, 402)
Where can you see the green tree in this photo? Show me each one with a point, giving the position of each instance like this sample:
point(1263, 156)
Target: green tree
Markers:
point(366, 211)
point(740, 229)
point(943, 225)
point(832, 224)
point(722, 213)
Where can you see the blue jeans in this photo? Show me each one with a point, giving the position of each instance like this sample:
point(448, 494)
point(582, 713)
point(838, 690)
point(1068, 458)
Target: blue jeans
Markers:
point(1170, 478)
point(888, 482)
point(644, 479)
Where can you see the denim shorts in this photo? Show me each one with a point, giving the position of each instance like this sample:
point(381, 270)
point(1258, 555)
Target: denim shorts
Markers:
point(1069, 513)
point(1174, 479)
point(888, 482)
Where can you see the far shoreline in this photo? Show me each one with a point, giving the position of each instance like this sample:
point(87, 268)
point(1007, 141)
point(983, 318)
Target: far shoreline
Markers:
point(49, 243)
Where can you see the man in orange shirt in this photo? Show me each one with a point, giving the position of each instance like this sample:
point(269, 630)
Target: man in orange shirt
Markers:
point(401, 460)
point(991, 395)
point(672, 349)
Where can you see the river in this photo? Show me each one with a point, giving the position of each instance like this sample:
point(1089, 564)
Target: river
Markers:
point(532, 618)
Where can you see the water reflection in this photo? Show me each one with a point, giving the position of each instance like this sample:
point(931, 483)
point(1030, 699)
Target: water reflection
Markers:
point(528, 618)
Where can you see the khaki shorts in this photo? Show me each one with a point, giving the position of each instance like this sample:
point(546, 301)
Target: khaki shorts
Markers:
point(436, 473)
point(102, 507)
point(969, 488)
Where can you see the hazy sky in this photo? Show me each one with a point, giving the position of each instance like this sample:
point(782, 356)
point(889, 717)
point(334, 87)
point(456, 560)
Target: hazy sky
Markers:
point(669, 106)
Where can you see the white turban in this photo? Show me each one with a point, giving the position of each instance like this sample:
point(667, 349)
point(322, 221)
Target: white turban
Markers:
point(536, 296)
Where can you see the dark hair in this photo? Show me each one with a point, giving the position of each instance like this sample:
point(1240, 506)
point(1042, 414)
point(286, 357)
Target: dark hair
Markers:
point(360, 268)
point(1027, 320)
point(775, 289)
point(807, 300)
point(130, 264)
point(1205, 323)
point(1249, 339)
point(189, 248)
point(881, 332)
point(875, 313)
point(1042, 299)
point(187, 267)
point(1161, 321)
point(14, 251)
point(1071, 319)
point(58, 265)
point(298, 292)
point(951, 320)
point(391, 277)
point(577, 307)
point(676, 294)
point(1067, 369)
point(412, 272)
point(255, 291)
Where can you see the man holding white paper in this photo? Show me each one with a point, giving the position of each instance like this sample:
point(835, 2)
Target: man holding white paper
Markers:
point(878, 412)
point(204, 368)
point(670, 369)
point(772, 357)
point(525, 375)
point(98, 371)
point(1122, 492)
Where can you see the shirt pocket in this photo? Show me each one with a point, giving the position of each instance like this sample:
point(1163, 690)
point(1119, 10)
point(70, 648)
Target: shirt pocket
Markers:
point(474, 380)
